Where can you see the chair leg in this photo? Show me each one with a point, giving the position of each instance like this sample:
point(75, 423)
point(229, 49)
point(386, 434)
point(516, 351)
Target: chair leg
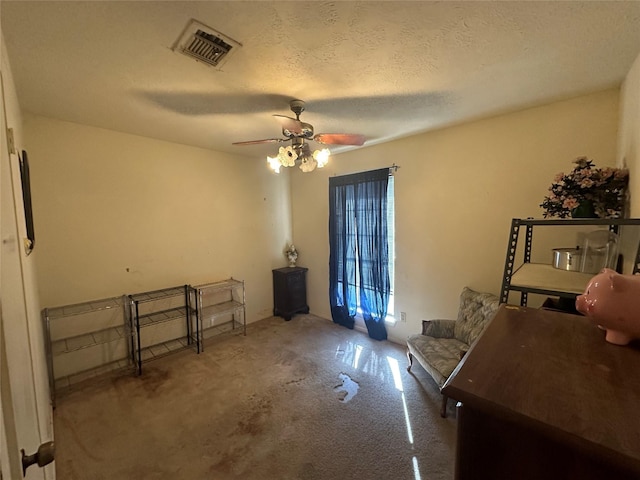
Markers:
point(410, 357)
point(443, 409)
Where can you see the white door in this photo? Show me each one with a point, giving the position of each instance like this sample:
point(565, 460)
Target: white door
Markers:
point(25, 407)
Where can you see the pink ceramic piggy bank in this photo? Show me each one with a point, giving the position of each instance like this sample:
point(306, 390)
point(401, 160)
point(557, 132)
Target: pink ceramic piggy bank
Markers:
point(612, 301)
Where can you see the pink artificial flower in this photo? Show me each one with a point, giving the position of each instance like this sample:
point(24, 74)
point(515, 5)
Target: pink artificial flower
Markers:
point(621, 173)
point(570, 203)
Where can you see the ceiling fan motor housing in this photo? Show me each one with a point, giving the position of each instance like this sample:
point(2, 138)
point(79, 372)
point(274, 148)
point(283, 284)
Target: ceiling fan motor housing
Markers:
point(297, 106)
point(297, 142)
point(303, 130)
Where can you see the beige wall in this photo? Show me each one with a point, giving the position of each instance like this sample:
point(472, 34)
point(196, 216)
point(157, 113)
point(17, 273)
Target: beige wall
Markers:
point(106, 201)
point(457, 190)
point(117, 213)
point(629, 138)
point(629, 153)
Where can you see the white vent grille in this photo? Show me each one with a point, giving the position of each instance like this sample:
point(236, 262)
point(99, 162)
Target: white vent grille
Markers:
point(205, 44)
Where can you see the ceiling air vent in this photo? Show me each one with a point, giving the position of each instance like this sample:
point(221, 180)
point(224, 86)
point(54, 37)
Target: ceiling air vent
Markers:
point(205, 44)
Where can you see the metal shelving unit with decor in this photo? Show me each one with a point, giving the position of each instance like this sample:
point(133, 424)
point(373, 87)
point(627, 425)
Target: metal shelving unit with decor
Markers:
point(220, 308)
point(163, 322)
point(527, 277)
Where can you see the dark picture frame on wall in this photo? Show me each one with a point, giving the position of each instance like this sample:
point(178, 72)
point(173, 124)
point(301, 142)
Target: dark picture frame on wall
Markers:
point(30, 241)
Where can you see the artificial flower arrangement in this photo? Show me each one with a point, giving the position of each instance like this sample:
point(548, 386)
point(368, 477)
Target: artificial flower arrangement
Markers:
point(587, 192)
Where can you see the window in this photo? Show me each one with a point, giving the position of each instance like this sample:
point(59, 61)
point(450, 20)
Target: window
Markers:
point(361, 260)
point(391, 236)
point(391, 222)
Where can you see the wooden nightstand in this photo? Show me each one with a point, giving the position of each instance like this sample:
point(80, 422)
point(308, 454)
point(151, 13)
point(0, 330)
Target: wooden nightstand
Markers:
point(289, 291)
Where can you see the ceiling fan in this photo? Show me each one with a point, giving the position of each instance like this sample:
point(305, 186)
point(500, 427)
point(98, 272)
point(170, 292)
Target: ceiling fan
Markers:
point(299, 133)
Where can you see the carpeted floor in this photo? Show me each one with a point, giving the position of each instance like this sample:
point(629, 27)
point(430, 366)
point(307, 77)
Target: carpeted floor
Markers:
point(304, 399)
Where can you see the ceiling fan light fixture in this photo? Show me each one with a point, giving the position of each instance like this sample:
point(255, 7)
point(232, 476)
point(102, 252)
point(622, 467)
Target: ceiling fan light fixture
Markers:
point(274, 164)
point(308, 164)
point(321, 156)
point(287, 157)
point(299, 134)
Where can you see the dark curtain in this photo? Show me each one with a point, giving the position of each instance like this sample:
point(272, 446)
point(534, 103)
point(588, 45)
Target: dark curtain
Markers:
point(359, 250)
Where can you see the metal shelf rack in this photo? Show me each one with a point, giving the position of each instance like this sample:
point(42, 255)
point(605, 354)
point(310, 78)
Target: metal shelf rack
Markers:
point(220, 308)
point(175, 322)
point(544, 279)
point(85, 339)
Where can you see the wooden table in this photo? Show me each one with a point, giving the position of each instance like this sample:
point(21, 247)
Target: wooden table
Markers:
point(543, 396)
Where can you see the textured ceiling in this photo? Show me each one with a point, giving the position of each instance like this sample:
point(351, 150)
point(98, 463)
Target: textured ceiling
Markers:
point(382, 69)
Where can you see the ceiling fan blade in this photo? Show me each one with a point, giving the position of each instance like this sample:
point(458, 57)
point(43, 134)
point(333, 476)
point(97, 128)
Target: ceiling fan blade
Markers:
point(340, 138)
point(266, 140)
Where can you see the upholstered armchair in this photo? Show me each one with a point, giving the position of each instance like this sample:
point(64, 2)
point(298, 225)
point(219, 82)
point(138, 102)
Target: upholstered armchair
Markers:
point(443, 343)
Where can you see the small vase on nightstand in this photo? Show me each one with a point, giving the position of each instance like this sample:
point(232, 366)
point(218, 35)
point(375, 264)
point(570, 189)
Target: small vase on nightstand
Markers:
point(292, 255)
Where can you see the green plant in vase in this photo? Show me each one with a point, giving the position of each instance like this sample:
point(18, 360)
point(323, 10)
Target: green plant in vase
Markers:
point(587, 192)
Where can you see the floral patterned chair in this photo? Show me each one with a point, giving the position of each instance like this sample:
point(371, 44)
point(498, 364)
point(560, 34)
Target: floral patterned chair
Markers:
point(443, 343)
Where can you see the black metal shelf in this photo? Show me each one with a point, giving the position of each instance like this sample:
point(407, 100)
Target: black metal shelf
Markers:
point(154, 295)
point(576, 221)
point(527, 277)
point(139, 320)
point(163, 349)
point(161, 316)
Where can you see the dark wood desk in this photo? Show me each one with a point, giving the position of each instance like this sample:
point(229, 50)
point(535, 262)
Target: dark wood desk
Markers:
point(543, 396)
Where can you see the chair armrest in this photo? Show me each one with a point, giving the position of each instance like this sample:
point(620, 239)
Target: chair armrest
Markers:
point(439, 328)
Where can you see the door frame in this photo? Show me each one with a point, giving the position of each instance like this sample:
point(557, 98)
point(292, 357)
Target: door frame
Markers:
point(27, 415)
